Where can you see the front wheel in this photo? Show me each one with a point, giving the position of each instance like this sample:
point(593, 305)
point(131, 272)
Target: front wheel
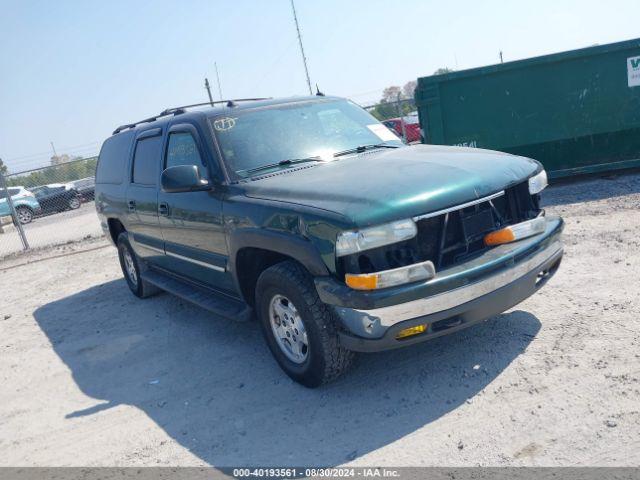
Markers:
point(74, 203)
point(24, 214)
point(300, 330)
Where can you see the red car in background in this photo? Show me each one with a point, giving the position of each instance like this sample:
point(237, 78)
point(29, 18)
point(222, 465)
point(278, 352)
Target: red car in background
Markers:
point(411, 126)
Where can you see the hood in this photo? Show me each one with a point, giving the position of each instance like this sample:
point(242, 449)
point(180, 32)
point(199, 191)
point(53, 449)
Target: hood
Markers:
point(385, 185)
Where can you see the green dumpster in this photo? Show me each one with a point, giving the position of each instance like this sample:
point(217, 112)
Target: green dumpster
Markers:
point(576, 112)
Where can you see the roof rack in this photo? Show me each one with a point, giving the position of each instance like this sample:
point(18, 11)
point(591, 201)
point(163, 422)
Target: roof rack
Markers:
point(183, 109)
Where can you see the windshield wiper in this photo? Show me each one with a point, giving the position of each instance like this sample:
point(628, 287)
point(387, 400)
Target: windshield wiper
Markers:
point(362, 148)
point(281, 163)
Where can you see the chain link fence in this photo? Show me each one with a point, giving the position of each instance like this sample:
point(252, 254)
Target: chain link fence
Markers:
point(400, 116)
point(48, 206)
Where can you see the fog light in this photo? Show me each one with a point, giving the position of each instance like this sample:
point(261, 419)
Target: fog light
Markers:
point(411, 331)
point(516, 232)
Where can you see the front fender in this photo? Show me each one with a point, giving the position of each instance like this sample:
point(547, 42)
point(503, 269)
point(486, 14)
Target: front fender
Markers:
point(294, 246)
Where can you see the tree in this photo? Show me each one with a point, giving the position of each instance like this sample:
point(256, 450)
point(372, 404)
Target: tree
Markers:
point(409, 89)
point(388, 106)
point(443, 70)
point(3, 168)
point(63, 173)
point(390, 94)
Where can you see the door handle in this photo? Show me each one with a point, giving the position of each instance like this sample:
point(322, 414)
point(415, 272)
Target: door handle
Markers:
point(163, 209)
point(131, 205)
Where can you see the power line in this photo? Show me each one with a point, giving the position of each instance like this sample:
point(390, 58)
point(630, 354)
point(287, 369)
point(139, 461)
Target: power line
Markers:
point(64, 149)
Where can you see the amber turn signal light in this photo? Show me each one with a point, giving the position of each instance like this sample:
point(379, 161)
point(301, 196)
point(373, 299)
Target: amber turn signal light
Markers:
point(516, 232)
point(499, 237)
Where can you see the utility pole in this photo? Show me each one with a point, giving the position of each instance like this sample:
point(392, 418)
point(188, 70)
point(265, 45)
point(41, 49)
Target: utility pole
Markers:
point(207, 87)
point(54, 150)
point(304, 59)
point(215, 64)
point(501, 60)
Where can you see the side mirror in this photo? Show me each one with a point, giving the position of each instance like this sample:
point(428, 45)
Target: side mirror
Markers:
point(183, 178)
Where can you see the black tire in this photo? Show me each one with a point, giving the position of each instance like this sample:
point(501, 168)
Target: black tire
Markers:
point(325, 359)
point(24, 214)
point(74, 203)
point(137, 285)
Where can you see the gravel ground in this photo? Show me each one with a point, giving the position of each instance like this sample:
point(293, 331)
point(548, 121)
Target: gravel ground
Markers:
point(55, 229)
point(93, 376)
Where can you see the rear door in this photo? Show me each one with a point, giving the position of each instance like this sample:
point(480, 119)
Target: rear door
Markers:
point(191, 222)
point(142, 195)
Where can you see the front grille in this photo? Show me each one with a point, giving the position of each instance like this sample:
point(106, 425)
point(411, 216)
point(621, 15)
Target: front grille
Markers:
point(449, 238)
point(456, 236)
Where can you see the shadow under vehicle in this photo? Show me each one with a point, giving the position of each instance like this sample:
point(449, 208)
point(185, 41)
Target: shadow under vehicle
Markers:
point(211, 386)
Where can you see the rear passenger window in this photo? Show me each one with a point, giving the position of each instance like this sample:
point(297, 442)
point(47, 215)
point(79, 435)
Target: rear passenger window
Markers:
point(114, 156)
point(146, 160)
point(183, 150)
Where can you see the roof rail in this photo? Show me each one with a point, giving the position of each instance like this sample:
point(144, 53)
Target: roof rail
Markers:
point(183, 109)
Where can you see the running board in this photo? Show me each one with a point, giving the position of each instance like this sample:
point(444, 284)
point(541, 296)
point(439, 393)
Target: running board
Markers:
point(211, 300)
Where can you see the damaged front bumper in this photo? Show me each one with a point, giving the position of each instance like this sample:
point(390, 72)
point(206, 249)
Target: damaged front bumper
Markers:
point(455, 298)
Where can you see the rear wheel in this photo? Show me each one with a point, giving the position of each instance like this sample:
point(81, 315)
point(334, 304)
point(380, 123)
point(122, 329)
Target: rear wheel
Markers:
point(24, 214)
point(300, 330)
point(131, 268)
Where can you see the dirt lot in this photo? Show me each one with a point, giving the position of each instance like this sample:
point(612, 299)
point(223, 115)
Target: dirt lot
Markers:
point(92, 376)
point(54, 229)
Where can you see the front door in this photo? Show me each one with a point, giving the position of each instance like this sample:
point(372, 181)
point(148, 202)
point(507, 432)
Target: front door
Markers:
point(191, 222)
point(142, 196)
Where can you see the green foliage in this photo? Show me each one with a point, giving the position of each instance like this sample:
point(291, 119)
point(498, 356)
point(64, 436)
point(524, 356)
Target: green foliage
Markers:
point(442, 71)
point(395, 102)
point(63, 173)
point(385, 110)
point(3, 168)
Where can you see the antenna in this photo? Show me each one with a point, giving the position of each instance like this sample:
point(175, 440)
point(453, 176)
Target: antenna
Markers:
point(215, 64)
point(318, 92)
point(304, 59)
point(207, 86)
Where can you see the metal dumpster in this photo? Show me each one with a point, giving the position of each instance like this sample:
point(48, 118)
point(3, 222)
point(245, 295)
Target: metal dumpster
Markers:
point(576, 112)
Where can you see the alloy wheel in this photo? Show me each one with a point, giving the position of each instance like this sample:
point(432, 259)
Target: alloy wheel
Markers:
point(288, 329)
point(130, 267)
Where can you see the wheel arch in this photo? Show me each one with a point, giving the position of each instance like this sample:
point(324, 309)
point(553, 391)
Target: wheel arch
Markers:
point(253, 251)
point(115, 229)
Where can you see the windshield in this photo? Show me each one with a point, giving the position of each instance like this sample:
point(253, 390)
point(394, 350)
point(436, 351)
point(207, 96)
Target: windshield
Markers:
point(39, 191)
point(265, 136)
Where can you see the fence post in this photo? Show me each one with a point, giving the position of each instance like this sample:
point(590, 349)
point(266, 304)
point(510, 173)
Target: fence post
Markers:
point(14, 215)
point(404, 130)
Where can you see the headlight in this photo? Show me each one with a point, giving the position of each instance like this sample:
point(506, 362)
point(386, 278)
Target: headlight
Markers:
point(390, 278)
point(538, 182)
point(373, 237)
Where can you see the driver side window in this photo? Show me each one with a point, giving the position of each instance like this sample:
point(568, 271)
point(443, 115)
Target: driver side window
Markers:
point(182, 149)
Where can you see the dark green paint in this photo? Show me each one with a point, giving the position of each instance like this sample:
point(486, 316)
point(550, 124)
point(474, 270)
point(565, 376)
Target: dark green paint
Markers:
point(394, 184)
point(572, 111)
point(298, 211)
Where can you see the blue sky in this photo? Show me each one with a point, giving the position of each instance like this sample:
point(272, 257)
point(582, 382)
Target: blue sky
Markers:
point(71, 71)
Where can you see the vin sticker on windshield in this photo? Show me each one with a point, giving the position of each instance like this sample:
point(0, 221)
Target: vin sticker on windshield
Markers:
point(224, 124)
point(382, 132)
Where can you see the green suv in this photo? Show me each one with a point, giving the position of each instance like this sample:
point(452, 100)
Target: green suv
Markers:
point(312, 216)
